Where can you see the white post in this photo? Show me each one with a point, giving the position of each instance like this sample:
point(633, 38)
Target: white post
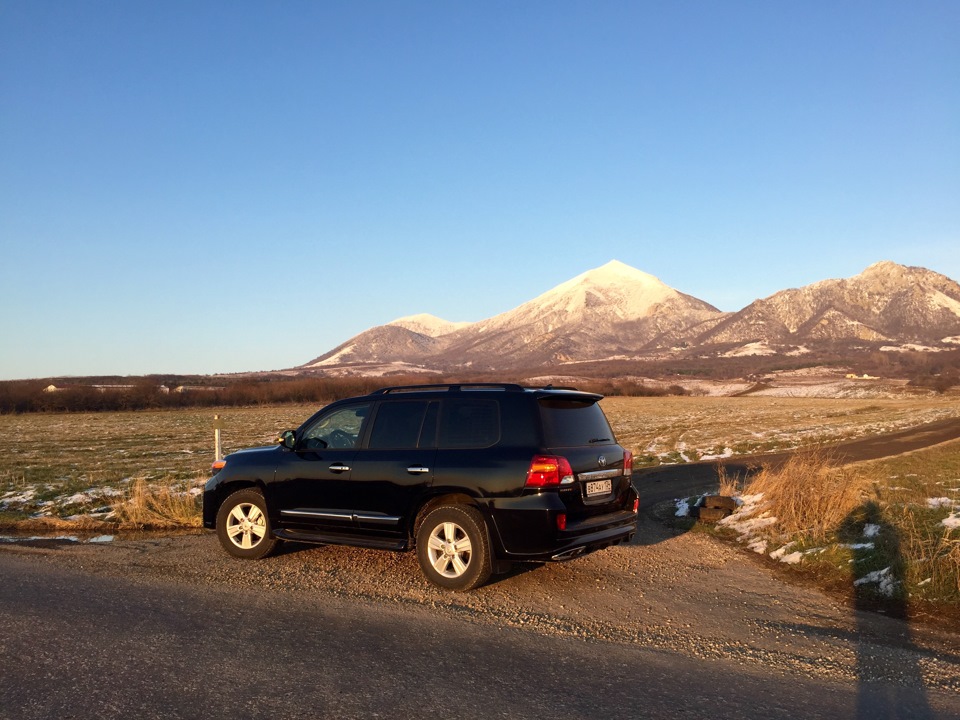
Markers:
point(217, 448)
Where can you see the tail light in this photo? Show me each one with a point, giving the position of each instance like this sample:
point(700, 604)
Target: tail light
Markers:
point(636, 505)
point(548, 471)
point(627, 463)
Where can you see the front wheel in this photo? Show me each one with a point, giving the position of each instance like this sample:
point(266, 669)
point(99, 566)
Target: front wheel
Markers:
point(453, 548)
point(243, 526)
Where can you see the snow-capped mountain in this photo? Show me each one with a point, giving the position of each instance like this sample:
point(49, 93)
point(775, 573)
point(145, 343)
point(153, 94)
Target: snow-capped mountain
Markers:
point(611, 311)
point(616, 312)
point(885, 303)
point(607, 312)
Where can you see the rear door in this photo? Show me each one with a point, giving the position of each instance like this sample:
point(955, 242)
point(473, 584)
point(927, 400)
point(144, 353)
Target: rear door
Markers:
point(396, 467)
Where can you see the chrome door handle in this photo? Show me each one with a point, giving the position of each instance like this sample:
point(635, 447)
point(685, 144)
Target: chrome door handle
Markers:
point(418, 470)
point(339, 468)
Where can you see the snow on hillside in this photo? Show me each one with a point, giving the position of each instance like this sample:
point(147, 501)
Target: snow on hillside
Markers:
point(429, 325)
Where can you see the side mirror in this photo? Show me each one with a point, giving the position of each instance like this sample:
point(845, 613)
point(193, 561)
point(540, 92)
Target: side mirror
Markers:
point(288, 438)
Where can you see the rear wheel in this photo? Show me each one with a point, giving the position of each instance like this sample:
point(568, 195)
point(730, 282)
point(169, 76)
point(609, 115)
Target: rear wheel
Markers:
point(453, 548)
point(243, 526)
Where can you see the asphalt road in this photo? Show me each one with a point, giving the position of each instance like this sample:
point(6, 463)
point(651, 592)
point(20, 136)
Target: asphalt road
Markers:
point(79, 646)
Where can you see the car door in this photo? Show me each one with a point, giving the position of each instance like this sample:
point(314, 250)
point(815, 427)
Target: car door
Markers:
point(312, 488)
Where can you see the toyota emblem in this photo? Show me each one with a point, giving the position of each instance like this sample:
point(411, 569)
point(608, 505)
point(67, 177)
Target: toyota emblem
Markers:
point(602, 461)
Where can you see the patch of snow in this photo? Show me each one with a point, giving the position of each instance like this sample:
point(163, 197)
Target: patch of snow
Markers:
point(80, 498)
point(940, 502)
point(952, 521)
point(781, 555)
point(909, 347)
point(953, 340)
point(871, 530)
point(12, 498)
point(887, 584)
point(747, 526)
point(683, 508)
point(727, 452)
point(337, 358)
point(945, 301)
point(759, 546)
point(750, 350)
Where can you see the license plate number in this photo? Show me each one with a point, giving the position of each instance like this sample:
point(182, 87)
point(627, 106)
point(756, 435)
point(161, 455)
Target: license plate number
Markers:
point(599, 487)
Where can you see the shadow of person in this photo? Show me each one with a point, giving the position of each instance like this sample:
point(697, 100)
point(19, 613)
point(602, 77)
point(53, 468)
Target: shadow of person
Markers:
point(890, 679)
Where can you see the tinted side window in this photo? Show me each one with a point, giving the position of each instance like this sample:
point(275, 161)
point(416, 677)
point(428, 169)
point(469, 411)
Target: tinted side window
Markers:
point(574, 423)
point(398, 424)
point(469, 423)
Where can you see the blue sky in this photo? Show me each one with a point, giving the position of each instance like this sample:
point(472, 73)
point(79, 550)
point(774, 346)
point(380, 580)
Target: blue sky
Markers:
point(202, 187)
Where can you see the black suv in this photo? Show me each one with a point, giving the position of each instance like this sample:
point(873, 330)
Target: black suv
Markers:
point(474, 476)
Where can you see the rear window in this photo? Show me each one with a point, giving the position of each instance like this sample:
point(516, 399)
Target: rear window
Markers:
point(570, 422)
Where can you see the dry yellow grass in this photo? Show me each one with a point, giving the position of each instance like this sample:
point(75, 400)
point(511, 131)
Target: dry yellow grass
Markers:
point(809, 496)
point(147, 506)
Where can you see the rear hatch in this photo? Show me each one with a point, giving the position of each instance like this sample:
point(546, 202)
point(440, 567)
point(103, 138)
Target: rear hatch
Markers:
point(575, 428)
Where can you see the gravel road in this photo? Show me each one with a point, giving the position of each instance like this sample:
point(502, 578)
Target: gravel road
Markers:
point(687, 595)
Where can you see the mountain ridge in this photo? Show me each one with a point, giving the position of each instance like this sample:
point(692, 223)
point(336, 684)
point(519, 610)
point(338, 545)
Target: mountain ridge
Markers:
point(618, 312)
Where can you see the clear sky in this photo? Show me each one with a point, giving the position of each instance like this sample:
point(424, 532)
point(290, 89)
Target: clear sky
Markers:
point(202, 187)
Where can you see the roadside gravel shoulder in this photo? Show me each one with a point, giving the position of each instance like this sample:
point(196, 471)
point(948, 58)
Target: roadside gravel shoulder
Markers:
point(686, 593)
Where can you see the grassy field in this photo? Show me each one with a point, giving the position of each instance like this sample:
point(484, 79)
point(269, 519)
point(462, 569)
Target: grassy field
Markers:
point(687, 429)
point(83, 464)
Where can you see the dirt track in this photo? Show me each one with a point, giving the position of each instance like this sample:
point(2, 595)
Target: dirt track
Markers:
point(663, 483)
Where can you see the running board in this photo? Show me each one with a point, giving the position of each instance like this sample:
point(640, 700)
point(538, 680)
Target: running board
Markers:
point(342, 539)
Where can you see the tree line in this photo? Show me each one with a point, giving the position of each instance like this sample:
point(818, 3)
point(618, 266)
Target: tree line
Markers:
point(155, 393)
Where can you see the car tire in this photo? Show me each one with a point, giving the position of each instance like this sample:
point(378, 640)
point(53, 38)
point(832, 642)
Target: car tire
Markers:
point(453, 548)
point(243, 526)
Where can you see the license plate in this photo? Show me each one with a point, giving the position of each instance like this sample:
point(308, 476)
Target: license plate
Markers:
point(599, 487)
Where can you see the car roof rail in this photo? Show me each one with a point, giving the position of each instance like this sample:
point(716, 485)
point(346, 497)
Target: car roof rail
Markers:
point(449, 387)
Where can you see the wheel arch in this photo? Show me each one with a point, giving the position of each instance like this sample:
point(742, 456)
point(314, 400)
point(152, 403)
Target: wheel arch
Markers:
point(222, 492)
point(458, 497)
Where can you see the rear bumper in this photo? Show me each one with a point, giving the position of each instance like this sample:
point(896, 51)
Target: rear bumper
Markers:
point(531, 535)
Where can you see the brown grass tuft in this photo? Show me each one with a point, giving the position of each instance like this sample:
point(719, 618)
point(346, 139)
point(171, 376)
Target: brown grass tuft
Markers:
point(808, 495)
point(730, 485)
point(153, 507)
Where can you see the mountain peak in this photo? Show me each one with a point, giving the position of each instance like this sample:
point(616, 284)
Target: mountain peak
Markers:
point(885, 267)
point(616, 272)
